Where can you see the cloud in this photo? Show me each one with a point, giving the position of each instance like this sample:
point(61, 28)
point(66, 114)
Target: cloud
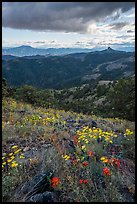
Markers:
point(130, 31)
point(59, 16)
point(118, 25)
point(124, 36)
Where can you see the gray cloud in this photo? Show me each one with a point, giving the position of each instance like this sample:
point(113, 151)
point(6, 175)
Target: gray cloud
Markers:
point(117, 26)
point(79, 43)
point(124, 36)
point(130, 31)
point(39, 42)
point(128, 44)
point(58, 16)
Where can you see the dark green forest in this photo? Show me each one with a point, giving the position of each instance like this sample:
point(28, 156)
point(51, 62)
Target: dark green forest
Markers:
point(115, 99)
point(59, 72)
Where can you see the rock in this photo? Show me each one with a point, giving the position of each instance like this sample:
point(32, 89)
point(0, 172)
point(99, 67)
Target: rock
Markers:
point(94, 124)
point(39, 185)
point(42, 197)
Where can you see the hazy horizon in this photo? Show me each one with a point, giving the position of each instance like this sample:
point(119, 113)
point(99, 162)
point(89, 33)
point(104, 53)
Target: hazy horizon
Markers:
point(127, 49)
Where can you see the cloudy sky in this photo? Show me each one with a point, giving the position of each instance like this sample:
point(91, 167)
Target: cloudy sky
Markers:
point(69, 24)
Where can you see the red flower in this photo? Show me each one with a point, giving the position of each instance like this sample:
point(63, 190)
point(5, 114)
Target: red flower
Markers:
point(115, 161)
point(85, 163)
point(85, 181)
point(80, 181)
point(106, 171)
point(55, 182)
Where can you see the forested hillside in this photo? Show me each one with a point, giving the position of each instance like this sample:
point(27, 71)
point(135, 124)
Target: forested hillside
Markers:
point(104, 98)
point(59, 72)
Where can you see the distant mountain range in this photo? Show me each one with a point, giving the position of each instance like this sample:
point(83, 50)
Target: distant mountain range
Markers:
point(30, 51)
point(68, 70)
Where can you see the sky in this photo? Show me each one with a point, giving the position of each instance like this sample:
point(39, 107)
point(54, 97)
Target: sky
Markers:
point(94, 25)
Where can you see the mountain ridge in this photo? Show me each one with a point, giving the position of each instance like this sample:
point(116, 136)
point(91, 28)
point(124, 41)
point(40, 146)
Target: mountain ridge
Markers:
point(26, 50)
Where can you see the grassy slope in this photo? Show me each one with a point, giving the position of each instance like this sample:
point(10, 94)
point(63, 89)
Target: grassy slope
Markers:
point(39, 134)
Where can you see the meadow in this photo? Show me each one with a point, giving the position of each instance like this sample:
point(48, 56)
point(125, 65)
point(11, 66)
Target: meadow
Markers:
point(88, 158)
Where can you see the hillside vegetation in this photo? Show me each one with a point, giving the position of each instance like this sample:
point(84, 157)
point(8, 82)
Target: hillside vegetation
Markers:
point(79, 157)
point(104, 98)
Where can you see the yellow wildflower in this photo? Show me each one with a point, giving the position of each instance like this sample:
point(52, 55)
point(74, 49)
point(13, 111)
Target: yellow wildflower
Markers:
point(14, 164)
point(13, 147)
point(11, 154)
point(128, 132)
point(83, 147)
point(105, 160)
point(12, 157)
point(9, 160)
point(102, 158)
point(17, 151)
point(4, 163)
point(66, 157)
point(22, 157)
point(87, 141)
